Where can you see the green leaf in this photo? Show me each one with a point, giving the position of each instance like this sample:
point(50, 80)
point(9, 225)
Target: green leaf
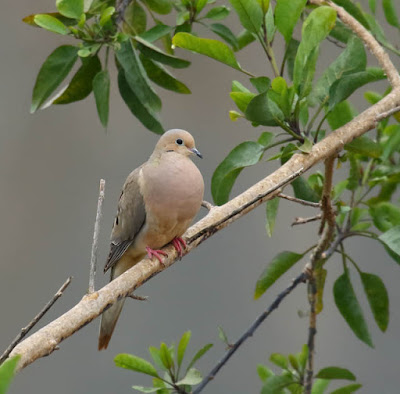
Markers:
point(226, 34)
point(101, 90)
point(212, 48)
point(393, 142)
point(390, 13)
point(244, 38)
point(348, 84)
point(355, 10)
point(385, 215)
point(193, 377)
point(182, 346)
point(348, 305)
point(200, 4)
point(291, 53)
point(264, 4)
point(272, 210)
point(391, 239)
point(364, 146)
point(106, 15)
point(70, 8)
point(165, 356)
point(81, 83)
point(155, 53)
point(262, 84)
point(30, 19)
point(136, 77)
point(222, 336)
point(351, 388)
point(155, 355)
point(217, 13)
point(242, 99)
point(143, 389)
point(246, 154)
point(294, 362)
point(264, 372)
point(199, 355)
point(315, 29)
point(279, 359)
point(50, 23)
point(319, 386)
point(265, 138)
point(335, 373)
point(372, 5)
point(250, 14)
point(352, 59)
point(53, 71)
point(264, 111)
point(156, 32)
point(303, 190)
point(134, 363)
point(377, 297)
point(287, 13)
point(303, 356)
point(135, 19)
point(276, 384)
point(162, 7)
point(281, 263)
point(7, 371)
point(143, 113)
point(341, 114)
point(159, 75)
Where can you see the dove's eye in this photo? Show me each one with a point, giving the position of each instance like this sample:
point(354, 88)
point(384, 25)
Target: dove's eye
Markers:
point(179, 141)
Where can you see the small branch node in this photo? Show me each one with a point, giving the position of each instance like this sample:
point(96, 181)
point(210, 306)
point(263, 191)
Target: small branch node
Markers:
point(207, 205)
point(138, 297)
point(299, 220)
point(299, 201)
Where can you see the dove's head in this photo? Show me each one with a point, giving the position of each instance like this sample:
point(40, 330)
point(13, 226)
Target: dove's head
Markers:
point(179, 141)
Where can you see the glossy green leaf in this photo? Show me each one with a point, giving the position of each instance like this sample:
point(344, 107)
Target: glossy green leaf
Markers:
point(377, 297)
point(135, 19)
point(182, 346)
point(145, 114)
point(226, 34)
point(348, 305)
point(341, 114)
point(134, 363)
point(304, 191)
point(276, 384)
point(244, 38)
point(272, 211)
point(351, 388)
point(81, 83)
point(385, 215)
point(352, 59)
point(136, 77)
point(291, 53)
point(199, 355)
point(341, 32)
point(279, 359)
point(364, 146)
point(265, 138)
point(159, 75)
point(155, 53)
point(391, 239)
point(348, 84)
point(264, 111)
point(53, 71)
point(354, 175)
point(156, 32)
point(393, 143)
point(217, 13)
point(262, 84)
point(246, 154)
point(50, 23)
point(165, 356)
point(250, 14)
point(7, 371)
point(30, 19)
point(281, 263)
point(354, 10)
point(372, 5)
point(101, 90)
point(238, 87)
point(212, 48)
point(242, 99)
point(222, 335)
point(200, 4)
point(315, 29)
point(390, 13)
point(162, 7)
point(287, 13)
point(155, 355)
point(143, 389)
point(335, 373)
point(320, 386)
point(106, 16)
point(264, 372)
point(192, 377)
point(70, 8)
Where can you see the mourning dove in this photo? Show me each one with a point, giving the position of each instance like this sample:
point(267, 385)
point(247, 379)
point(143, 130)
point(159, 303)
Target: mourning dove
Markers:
point(157, 204)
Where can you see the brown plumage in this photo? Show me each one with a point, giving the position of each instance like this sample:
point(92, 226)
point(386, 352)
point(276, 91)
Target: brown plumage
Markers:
point(158, 202)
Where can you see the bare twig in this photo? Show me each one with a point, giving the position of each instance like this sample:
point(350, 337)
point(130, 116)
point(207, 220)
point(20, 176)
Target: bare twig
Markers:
point(386, 114)
point(96, 233)
point(121, 8)
point(299, 201)
point(138, 297)
point(327, 228)
point(306, 220)
point(34, 321)
point(250, 331)
point(207, 205)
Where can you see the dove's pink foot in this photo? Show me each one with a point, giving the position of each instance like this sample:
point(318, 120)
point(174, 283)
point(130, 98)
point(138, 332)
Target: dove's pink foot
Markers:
point(156, 253)
point(180, 245)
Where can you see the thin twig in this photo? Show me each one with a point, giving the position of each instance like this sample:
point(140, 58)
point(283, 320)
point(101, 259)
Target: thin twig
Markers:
point(327, 228)
point(138, 297)
point(298, 200)
point(250, 331)
point(34, 321)
point(207, 205)
point(386, 114)
point(96, 233)
point(306, 220)
point(121, 8)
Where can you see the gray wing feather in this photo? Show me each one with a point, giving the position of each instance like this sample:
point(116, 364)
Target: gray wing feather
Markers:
point(131, 217)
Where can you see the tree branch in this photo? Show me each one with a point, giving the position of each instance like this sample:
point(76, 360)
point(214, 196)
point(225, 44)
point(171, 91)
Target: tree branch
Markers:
point(306, 220)
point(250, 331)
point(299, 201)
point(34, 321)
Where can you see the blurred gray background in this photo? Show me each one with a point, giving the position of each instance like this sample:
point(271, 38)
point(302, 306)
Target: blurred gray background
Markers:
point(50, 166)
